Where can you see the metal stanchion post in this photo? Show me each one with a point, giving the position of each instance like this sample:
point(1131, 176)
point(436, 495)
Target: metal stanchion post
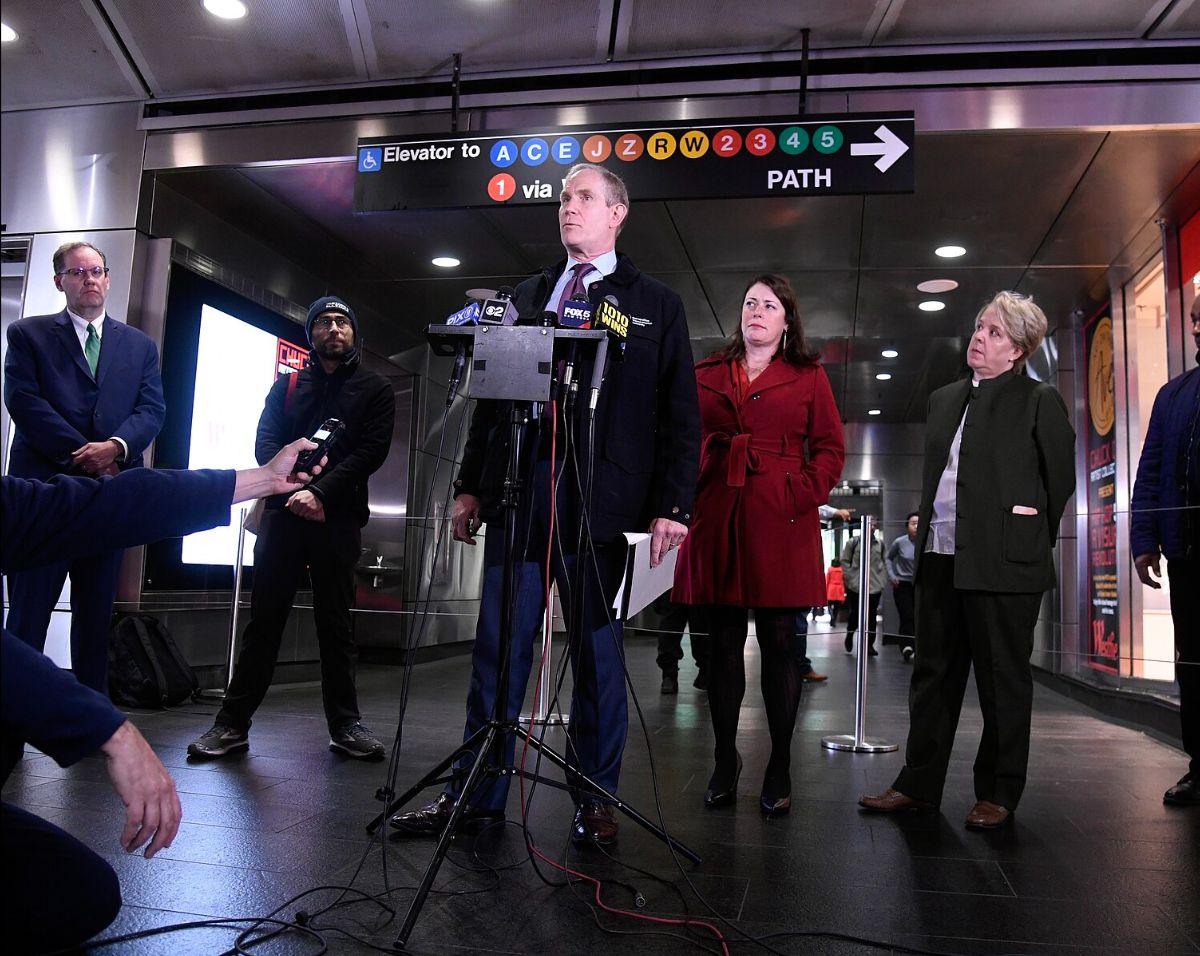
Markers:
point(233, 613)
point(857, 741)
point(541, 715)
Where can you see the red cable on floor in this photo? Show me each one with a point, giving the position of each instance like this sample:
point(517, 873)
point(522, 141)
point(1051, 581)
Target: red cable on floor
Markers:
point(549, 612)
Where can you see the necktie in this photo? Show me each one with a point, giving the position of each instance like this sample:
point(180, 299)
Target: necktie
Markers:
point(575, 288)
point(91, 348)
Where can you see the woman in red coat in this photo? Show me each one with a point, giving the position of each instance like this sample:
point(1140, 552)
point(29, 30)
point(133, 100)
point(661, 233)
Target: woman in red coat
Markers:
point(771, 451)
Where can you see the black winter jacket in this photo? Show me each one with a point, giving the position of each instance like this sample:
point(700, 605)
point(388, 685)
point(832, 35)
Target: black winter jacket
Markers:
point(360, 399)
point(647, 421)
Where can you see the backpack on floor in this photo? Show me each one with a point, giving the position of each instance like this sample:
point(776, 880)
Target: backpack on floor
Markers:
point(145, 667)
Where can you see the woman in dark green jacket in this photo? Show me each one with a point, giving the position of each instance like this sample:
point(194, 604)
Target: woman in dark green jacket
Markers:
point(999, 469)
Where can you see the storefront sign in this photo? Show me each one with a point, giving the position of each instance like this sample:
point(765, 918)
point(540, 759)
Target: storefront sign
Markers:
point(1103, 652)
point(811, 156)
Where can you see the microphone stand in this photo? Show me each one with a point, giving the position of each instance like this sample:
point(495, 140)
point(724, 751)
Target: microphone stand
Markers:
point(500, 345)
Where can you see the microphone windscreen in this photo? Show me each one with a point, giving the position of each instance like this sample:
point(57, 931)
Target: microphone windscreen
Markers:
point(499, 311)
point(467, 315)
point(576, 314)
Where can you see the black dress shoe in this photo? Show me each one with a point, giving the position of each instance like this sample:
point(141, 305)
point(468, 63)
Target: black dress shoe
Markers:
point(774, 806)
point(431, 820)
point(701, 681)
point(594, 823)
point(1186, 793)
point(848, 643)
point(714, 798)
point(670, 684)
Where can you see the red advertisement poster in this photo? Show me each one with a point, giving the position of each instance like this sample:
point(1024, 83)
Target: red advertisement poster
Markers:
point(1103, 634)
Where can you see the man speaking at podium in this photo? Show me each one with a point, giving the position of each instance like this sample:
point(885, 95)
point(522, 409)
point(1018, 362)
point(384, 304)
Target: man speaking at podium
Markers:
point(644, 465)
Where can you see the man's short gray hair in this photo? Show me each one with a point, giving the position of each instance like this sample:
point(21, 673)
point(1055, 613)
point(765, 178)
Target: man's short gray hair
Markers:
point(60, 254)
point(614, 186)
point(1023, 320)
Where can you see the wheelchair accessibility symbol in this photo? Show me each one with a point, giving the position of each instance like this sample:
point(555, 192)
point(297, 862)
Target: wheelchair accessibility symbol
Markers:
point(370, 160)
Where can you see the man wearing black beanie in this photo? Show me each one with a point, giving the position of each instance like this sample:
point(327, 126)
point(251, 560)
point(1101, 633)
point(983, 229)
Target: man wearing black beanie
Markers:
point(318, 527)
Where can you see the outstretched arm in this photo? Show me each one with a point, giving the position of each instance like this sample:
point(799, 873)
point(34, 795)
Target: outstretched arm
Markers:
point(69, 517)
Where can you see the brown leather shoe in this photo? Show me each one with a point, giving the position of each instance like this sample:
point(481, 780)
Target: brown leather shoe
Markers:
point(814, 676)
point(986, 815)
point(893, 801)
point(594, 823)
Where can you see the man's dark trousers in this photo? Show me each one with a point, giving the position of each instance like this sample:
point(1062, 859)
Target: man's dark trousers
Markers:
point(851, 604)
point(674, 619)
point(905, 597)
point(993, 631)
point(285, 545)
point(599, 709)
point(1185, 613)
point(32, 595)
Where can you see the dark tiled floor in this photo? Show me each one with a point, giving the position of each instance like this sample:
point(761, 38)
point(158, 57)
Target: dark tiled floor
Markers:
point(1094, 864)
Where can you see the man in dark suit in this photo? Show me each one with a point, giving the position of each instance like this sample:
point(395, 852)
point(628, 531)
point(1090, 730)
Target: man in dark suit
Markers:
point(643, 467)
point(85, 396)
point(1165, 523)
point(57, 892)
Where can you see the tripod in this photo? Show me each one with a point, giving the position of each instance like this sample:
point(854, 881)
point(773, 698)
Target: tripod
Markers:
point(532, 347)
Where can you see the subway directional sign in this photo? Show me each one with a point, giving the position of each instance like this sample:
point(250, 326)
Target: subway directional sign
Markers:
point(802, 156)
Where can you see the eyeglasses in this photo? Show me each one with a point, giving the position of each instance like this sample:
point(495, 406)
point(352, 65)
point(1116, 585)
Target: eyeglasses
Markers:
point(329, 321)
point(96, 272)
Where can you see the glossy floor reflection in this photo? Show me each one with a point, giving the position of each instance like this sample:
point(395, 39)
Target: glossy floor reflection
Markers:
point(1093, 864)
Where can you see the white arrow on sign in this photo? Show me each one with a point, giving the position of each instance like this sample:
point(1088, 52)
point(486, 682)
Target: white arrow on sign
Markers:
point(889, 149)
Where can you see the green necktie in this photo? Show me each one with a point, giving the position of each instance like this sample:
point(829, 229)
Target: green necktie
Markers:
point(91, 348)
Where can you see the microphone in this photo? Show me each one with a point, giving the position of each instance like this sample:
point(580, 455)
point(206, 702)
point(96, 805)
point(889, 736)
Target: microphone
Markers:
point(616, 323)
point(468, 315)
point(499, 310)
point(609, 317)
point(576, 314)
point(456, 374)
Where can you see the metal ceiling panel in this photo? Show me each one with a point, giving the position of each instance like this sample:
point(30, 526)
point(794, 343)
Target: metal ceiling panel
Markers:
point(684, 27)
point(1182, 22)
point(974, 20)
point(390, 244)
point(416, 38)
point(182, 50)
point(887, 305)
point(774, 235)
point(997, 194)
point(61, 57)
point(653, 238)
point(1064, 291)
point(938, 361)
point(1123, 190)
point(702, 323)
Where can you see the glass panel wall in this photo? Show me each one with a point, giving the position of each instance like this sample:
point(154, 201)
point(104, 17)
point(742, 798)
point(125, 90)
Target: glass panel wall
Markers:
point(1152, 650)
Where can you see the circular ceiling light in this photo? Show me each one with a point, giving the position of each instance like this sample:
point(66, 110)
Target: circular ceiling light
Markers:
point(7, 33)
point(950, 252)
point(931, 305)
point(874, 411)
point(883, 377)
point(890, 353)
point(445, 262)
point(937, 286)
point(226, 9)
